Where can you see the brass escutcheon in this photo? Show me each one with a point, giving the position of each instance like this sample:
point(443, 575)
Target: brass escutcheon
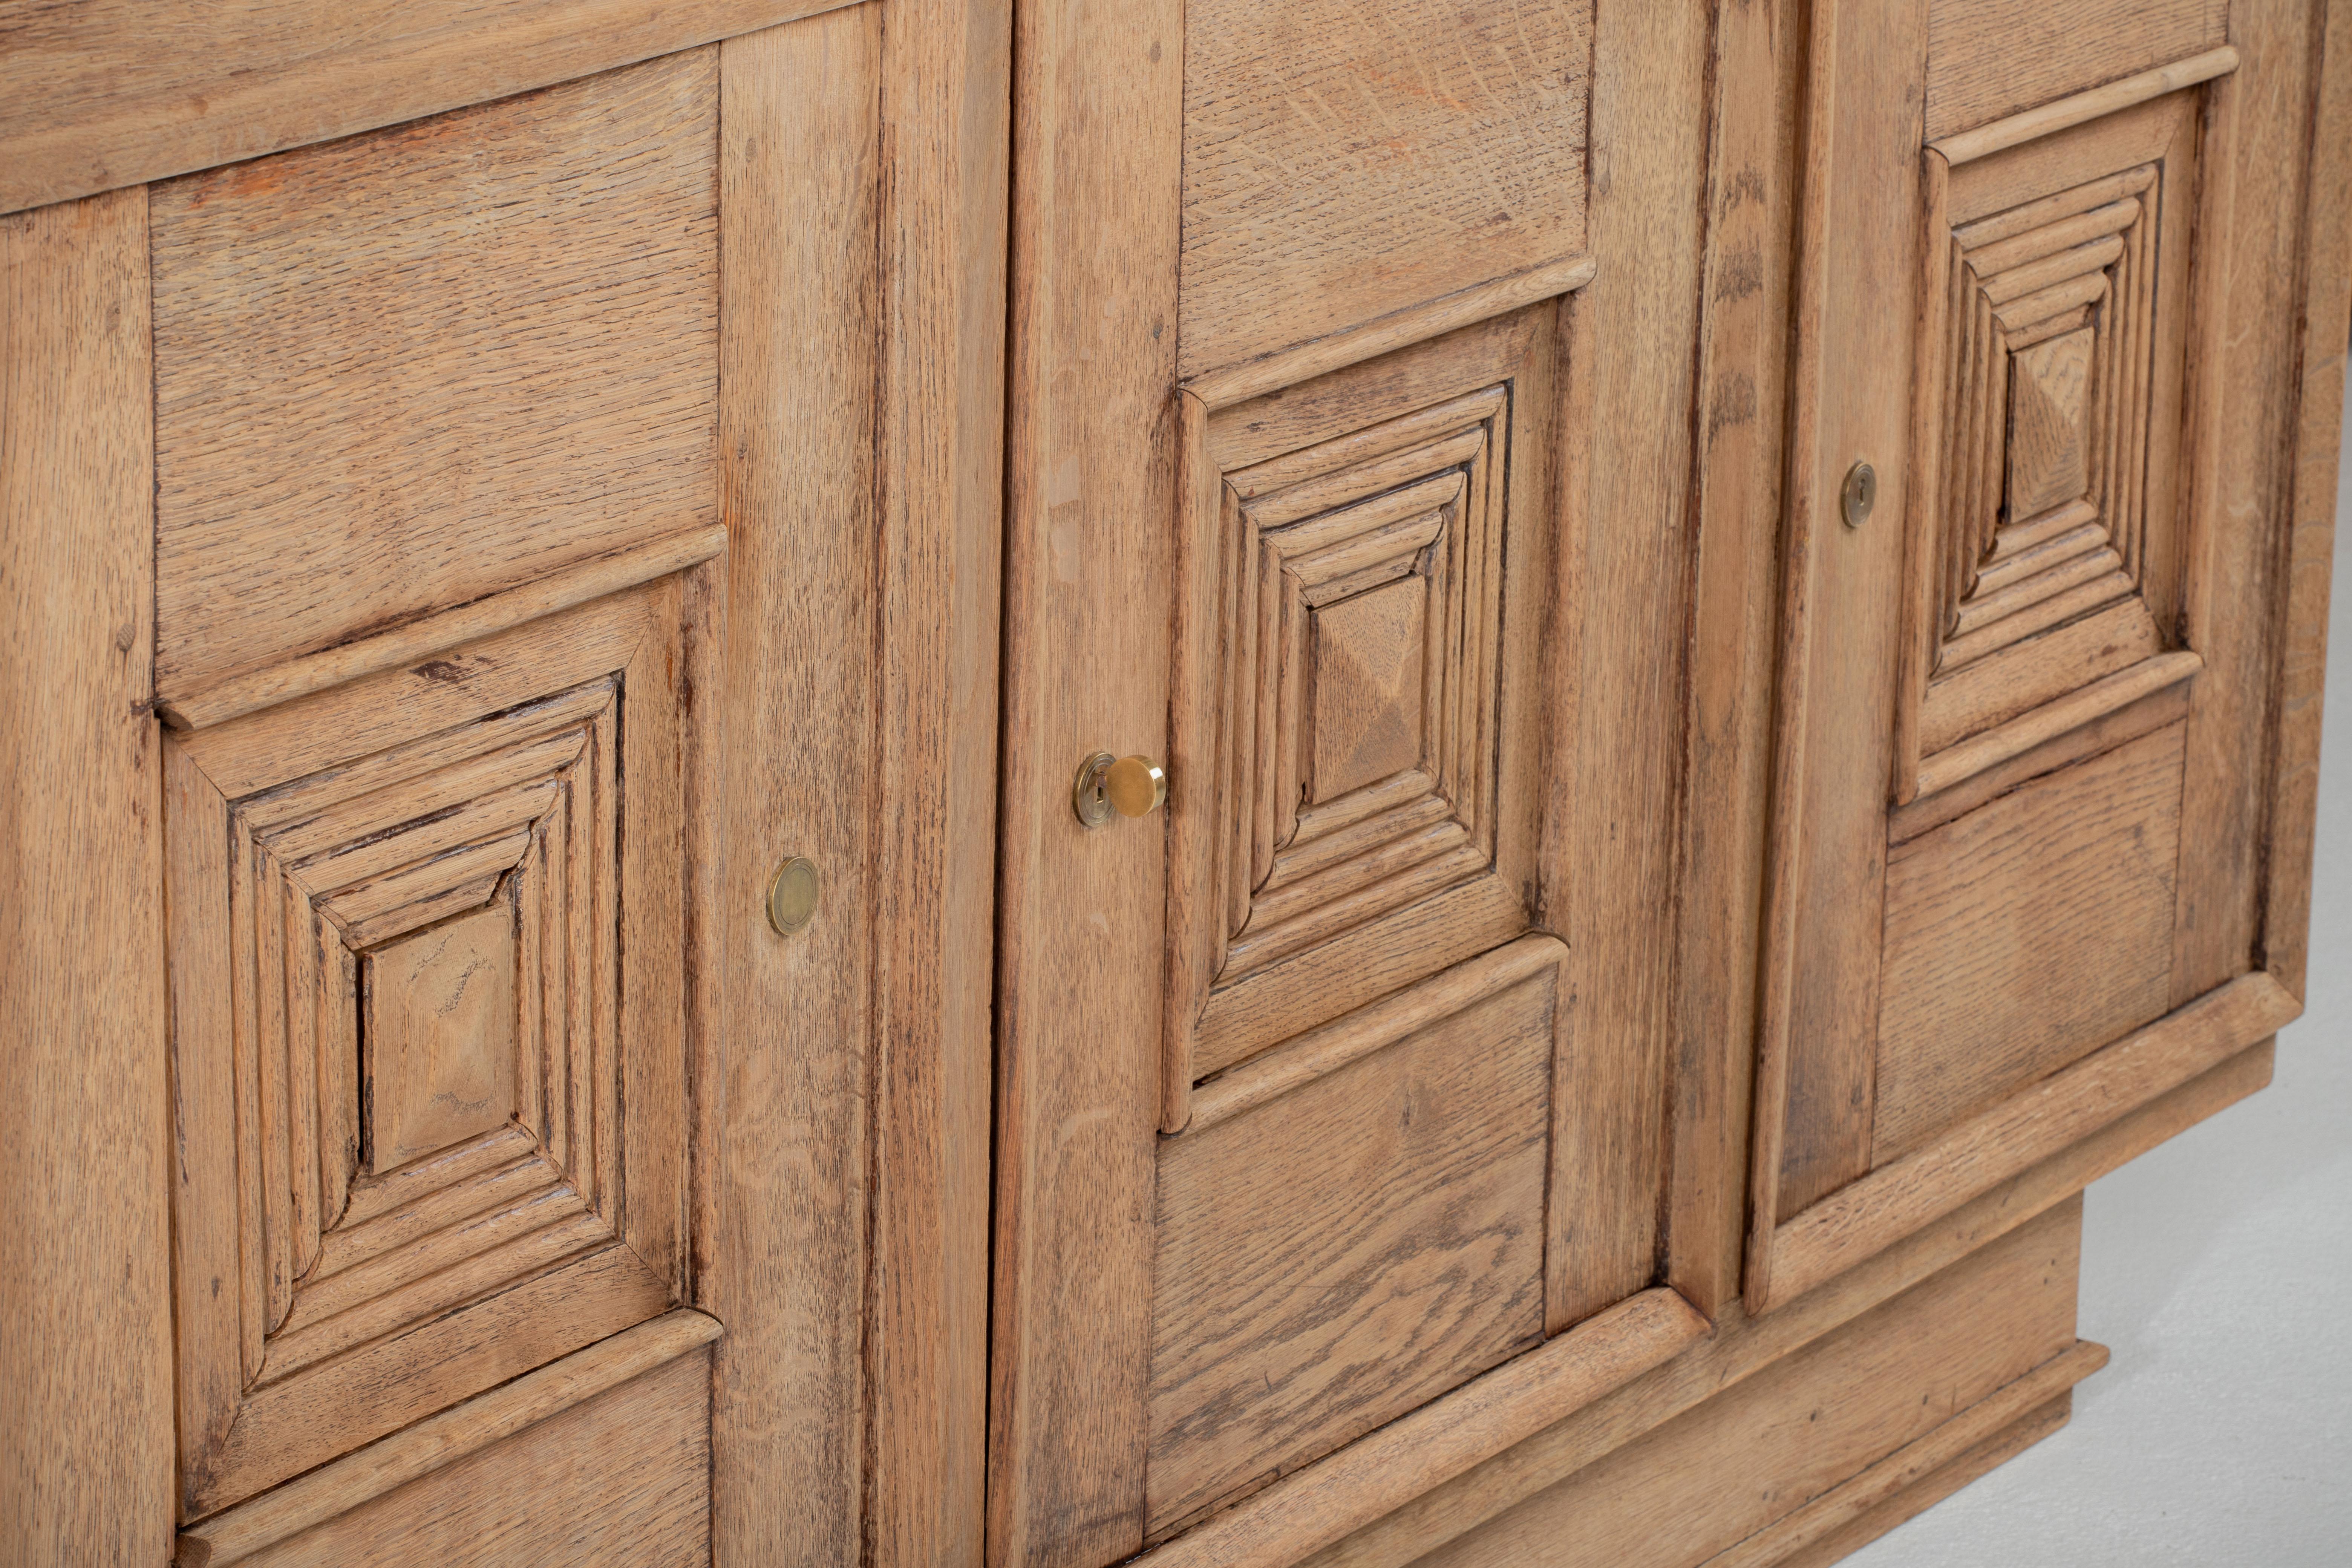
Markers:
point(1127, 786)
point(1858, 494)
point(792, 895)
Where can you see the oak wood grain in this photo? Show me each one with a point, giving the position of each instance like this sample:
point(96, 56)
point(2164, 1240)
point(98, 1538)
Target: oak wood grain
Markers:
point(1829, 1515)
point(1313, 131)
point(1859, 252)
point(1334, 1256)
point(1918, 1494)
point(1305, 1512)
point(418, 640)
point(1305, 880)
point(122, 91)
point(2166, 705)
point(2028, 1127)
point(430, 1446)
point(2170, 43)
point(2256, 163)
point(2024, 935)
point(1741, 393)
point(1612, 836)
point(798, 344)
point(441, 1037)
point(1089, 471)
point(623, 1474)
point(2326, 316)
point(396, 373)
point(1740, 1346)
point(503, 779)
point(1740, 1466)
point(946, 74)
point(86, 1385)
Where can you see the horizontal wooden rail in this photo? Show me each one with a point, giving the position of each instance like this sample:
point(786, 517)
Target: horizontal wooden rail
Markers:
point(1369, 1028)
point(1869, 1214)
point(237, 1533)
point(1310, 1509)
point(2079, 109)
point(1996, 745)
point(1482, 301)
point(106, 93)
point(445, 629)
point(1916, 1460)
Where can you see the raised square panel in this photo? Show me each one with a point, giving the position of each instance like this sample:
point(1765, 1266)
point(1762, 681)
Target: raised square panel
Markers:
point(401, 371)
point(1368, 688)
point(427, 1034)
point(2051, 553)
point(2049, 410)
point(441, 1037)
point(1343, 160)
point(1370, 574)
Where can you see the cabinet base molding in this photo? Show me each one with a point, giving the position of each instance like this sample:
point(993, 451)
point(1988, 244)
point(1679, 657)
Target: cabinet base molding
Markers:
point(1782, 1460)
point(290, 1523)
point(1931, 1265)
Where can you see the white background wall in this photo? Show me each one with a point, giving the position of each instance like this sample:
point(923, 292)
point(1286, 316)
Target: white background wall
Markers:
point(2218, 1267)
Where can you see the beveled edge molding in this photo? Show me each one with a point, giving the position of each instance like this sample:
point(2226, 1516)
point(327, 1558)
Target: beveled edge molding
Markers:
point(1870, 1214)
point(325, 72)
point(561, 589)
point(237, 1533)
point(1371, 1027)
point(1314, 1506)
point(1417, 324)
point(1991, 748)
point(1916, 1460)
point(1742, 1346)
point(2080, 107)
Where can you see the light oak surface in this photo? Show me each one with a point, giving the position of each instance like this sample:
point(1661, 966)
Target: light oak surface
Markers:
point(84, 1343)
point(397, 374)
point(798, 110)
point(1730, 602)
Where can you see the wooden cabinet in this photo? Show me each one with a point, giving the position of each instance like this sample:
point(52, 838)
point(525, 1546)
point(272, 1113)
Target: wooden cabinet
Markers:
point(1713, 613)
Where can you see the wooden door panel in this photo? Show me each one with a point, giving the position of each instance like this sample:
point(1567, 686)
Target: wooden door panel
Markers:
point(547, 1494)
point(2011, 802)
point(397, 373)
point(418, 967)
point(1366, 554)
point(1990, 58)
point(2046, 584)
point(1352, 1225)
point(1348, 464)
point(2024, 935)
point(457, 771)
point(1342, 163)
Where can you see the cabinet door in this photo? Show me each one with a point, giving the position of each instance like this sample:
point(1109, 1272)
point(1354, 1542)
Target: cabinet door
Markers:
point(2032, 731)
point(1348, 474)
point(389, 437)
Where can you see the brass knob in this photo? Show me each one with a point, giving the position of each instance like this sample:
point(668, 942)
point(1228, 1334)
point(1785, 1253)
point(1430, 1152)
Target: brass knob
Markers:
point(1130, 786)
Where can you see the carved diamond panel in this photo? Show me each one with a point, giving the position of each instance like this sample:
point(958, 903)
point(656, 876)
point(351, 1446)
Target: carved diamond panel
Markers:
point(2047, 551)
point(418, 1073)
point(2044, 518)
point(1355, 566)
point(1369, 570)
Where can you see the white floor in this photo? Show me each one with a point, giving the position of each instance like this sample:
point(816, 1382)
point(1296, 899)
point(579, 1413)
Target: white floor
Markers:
point(2216, 1267)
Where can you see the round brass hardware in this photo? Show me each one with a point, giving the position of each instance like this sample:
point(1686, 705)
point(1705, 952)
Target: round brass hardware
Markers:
point(792, 895)
point(1858, 494)
point(1137, 786)
point(1125, 786)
